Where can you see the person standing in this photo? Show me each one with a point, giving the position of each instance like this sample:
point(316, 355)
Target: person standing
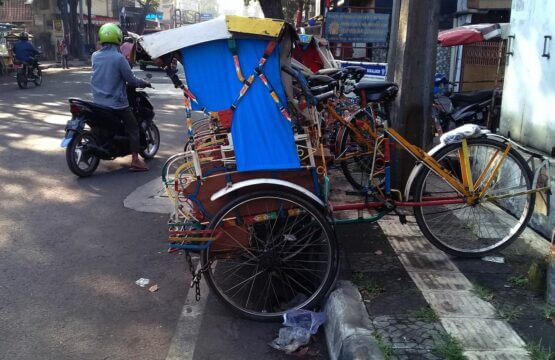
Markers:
point(64, 53)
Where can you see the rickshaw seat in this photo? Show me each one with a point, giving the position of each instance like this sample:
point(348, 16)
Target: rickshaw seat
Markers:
point(336, 74)
point(315, 80)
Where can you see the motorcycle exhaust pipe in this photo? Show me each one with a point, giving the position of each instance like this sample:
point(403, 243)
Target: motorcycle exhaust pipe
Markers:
point(99, 151)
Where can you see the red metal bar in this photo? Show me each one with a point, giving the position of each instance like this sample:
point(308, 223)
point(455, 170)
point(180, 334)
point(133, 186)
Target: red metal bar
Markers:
point(375, 204)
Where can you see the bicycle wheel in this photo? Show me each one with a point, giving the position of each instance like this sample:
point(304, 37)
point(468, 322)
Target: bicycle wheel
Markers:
point(357, 163)
point(488, 224)
point(274, 251)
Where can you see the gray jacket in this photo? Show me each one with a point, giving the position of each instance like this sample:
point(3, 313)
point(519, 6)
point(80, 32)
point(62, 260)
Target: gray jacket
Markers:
point(110, 73)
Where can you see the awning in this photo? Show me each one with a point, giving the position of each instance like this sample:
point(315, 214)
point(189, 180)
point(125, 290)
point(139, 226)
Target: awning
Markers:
point(469, 34)
point(99, 19)
point(167, 41)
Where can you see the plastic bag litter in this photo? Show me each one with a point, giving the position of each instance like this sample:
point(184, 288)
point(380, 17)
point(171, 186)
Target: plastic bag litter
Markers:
point(142, 282)
point(309, 320)
point(291, 338)
point(300, 325)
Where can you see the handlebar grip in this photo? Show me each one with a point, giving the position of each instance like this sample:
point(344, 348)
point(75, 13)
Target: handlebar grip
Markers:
point(324, 96)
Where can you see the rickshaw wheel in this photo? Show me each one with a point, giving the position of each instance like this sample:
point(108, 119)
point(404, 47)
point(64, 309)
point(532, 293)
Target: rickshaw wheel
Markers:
point(273, 251)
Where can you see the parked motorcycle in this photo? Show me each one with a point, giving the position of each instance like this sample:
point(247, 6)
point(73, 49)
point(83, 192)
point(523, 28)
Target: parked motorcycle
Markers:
point(104, 138)
point(453, 110)
point(28, 72)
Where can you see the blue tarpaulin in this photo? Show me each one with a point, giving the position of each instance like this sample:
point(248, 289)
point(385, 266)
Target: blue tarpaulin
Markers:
point(262, 138)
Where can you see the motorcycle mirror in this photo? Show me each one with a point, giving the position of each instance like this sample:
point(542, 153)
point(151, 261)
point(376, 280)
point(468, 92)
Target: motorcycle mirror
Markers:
point(148, 75)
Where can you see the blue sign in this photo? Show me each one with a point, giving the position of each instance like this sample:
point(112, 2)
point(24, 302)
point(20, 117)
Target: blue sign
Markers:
point(357, 27)
point(206, 17)
point(154, 17)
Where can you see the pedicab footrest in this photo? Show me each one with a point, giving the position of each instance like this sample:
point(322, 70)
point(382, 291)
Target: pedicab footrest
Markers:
point(192, 239)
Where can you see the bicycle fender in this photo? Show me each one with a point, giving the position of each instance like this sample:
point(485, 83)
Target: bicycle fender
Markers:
point(416, 169)
point(265, 181)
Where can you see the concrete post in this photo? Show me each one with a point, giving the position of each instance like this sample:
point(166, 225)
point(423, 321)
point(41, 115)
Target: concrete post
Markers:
point(413, 68)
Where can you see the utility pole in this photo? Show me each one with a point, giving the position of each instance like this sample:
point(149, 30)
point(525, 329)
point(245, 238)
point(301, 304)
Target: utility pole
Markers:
point(412, 66)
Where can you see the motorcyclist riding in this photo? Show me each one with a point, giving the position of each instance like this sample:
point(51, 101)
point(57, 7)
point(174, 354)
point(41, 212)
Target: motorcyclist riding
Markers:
point(25, 51)
point(110, 74)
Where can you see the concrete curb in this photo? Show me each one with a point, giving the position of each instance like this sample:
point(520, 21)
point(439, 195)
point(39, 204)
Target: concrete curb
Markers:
point(348, 327)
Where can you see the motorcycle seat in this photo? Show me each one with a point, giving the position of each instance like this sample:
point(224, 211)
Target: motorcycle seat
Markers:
point(336, 74)
point(357, 71)
point(472, 97)
point(99, 110)
point(377, 90)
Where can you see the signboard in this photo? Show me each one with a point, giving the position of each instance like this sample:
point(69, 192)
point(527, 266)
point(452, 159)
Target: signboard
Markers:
point(205, 17)
point(357, 27)
point(58, 28)
point(374, 71)
point(154, 16)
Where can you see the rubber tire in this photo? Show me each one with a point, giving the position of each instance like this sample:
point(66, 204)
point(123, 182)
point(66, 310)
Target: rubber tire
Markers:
point(309, 205)
point(38, 82)
point(419, 183)
point(71, 160)
point(343, 164)
point(157, 131)
point(22, 81)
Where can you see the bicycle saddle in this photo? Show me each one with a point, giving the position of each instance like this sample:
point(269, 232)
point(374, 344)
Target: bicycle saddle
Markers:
point(377, 90)
point(336, 74)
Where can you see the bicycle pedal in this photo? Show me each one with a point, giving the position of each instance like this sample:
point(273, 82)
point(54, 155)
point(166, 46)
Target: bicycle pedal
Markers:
point(402, 219)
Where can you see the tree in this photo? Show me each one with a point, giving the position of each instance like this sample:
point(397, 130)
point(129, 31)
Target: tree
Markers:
point(70, 18)
point(90, 36)
point(281, 9)
point(147, 7)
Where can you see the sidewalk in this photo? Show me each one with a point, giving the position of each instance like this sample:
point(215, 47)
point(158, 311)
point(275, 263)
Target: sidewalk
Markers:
point(419, 303)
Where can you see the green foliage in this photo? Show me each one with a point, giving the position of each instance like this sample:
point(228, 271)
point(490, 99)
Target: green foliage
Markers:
point(517, 281)
point(385, 348)
point(483, 292)
point(425, 314)
point(370, 287)
point(508, 314)
point(538, 352)
point(450, 348)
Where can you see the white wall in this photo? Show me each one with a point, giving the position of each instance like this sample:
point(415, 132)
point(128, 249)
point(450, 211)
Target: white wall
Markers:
point(528, 110)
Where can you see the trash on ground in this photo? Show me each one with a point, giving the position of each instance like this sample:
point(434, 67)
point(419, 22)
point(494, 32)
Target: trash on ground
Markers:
point(291, 338)
point(142, 282)
point(153, 288)
point(300, 325)
point(309, 320)
point(494, 259)
point(378, 252)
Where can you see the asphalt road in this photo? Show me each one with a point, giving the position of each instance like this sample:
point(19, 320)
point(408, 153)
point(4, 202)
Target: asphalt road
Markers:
point(70, 252)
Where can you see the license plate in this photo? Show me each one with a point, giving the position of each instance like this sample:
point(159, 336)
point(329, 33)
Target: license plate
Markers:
point(73, 124)
point(67, 139)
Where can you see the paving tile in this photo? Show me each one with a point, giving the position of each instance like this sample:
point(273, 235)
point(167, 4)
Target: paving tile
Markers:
point(427, 262)
point(483, 334)
point(458, 304)
point(496, 355)
point(411, 244)
point(441, 281)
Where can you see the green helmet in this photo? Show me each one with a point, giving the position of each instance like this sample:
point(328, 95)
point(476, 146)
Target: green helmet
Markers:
point(110, 33)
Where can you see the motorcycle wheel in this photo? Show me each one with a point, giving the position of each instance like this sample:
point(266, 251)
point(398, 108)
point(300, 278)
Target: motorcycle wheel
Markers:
point(38, 78)
point(81, 164)
point(21, 80)
point(152, 135)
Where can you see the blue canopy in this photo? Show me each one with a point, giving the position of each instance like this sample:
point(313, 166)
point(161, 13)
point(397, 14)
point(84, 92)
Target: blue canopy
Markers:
point(263, 139)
